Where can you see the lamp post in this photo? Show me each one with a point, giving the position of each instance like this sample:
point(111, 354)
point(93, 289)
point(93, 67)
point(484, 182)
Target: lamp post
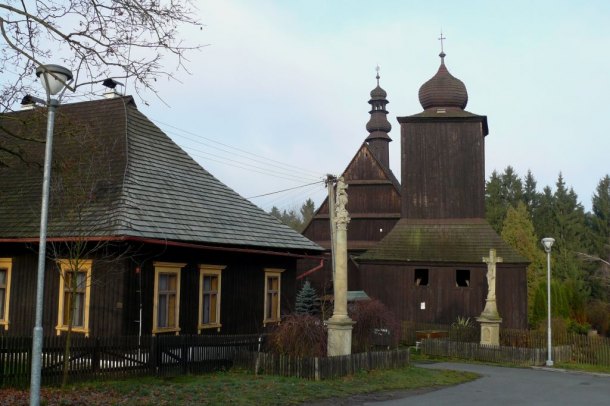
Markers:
point(548, 244)
point(54, 79)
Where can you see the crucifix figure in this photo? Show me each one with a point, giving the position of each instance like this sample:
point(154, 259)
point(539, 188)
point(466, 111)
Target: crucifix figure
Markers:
point(491, 262)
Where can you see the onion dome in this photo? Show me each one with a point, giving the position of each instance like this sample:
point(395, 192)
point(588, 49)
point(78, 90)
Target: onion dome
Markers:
point(378, 125)
point(443, 90)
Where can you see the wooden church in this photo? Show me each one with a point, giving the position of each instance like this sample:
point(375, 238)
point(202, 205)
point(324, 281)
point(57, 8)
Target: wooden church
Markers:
point(418, 246)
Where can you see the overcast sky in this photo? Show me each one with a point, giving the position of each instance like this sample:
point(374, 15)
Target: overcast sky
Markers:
point(290, 80)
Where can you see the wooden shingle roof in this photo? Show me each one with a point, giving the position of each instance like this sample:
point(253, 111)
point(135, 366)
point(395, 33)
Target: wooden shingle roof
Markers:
point(142, 184)
point(440, 240)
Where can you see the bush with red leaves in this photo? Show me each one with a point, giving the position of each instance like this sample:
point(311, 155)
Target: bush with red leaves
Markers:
point(376, 326)
point(299, 335)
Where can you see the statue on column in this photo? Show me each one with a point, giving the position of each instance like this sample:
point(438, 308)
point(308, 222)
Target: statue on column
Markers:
point(490, 318)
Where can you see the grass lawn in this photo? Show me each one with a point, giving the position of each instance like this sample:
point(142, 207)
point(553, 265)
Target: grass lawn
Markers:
point(238, 388)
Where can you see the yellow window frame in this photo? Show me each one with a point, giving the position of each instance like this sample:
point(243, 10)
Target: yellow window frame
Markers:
point(6, 263)
point(68, 265)
point(275, 316)
point(216, 271)
point(172, 268)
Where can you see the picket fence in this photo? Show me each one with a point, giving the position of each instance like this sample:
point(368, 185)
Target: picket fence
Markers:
point(320, 368)
point(117, 357)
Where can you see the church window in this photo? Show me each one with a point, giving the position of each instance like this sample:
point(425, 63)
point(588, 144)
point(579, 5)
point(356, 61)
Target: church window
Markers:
point(462, 278)
point(421, 277)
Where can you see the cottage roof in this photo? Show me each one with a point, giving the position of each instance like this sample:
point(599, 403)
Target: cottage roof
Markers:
point(443, 90)
point(440, 240)
point(117, 174)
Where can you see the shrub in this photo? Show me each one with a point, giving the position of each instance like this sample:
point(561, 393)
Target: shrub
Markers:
point(299, 335)
point(375, 325)
point(598, 315)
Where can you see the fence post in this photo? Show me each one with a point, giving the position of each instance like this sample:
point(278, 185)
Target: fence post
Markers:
point(184, 355)
point(95, 357)
point(153, 358)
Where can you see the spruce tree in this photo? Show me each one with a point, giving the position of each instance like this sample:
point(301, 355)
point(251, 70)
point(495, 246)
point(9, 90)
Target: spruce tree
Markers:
point(306, 300)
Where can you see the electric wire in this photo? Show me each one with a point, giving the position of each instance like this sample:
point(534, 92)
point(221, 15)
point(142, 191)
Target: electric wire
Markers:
point(265, 160)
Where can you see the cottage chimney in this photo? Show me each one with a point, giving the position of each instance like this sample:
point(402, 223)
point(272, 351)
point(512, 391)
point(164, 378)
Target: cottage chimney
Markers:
point(111, 90)
point(27, 103)
point(378, 125)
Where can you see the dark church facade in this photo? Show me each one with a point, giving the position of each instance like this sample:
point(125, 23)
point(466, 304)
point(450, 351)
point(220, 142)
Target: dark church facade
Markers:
point(418, 245)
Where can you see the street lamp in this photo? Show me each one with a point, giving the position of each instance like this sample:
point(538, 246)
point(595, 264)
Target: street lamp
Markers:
point(54, 78)
point(548, 244)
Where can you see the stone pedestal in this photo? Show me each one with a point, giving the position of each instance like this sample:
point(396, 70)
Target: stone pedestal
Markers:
point(339, 336)
point(490, 331)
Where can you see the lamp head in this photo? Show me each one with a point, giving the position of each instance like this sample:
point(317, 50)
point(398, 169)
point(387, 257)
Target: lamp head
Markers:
point(548, 243)
point(53, 77)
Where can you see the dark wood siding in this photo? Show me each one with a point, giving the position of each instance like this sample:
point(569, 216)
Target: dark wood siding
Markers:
point(118, 290)
point(443, 170)
point(395, 286)
point(374, 209)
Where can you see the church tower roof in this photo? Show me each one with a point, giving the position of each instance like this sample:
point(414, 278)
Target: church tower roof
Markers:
point(443, 90)
point(378, 125)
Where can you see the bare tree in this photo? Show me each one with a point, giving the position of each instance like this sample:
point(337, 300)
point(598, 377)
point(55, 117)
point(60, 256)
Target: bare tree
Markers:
point(95, 39)
point(85, 188)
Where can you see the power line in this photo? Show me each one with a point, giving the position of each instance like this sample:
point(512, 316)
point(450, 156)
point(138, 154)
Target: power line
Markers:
point(266, 159)
point(285, 190)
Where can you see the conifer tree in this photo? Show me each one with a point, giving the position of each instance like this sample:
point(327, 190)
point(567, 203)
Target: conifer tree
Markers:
point(518, 232)
point(306, 300)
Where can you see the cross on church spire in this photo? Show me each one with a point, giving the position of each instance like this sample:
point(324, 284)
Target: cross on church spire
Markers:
point(441, 39)
point(377, 69)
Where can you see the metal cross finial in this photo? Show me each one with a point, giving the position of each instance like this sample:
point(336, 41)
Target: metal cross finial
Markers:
point(377, 69)
point(441, 38)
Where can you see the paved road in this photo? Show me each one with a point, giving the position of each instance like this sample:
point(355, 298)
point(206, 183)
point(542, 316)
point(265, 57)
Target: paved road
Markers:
point(514, 386)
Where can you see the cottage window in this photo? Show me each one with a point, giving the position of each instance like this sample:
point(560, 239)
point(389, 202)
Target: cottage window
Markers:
point(166, 308)
point(462, 278)
point(421, 277)
point(74, 295)
point(6, 265)
point(273, 292)
point(210, 279)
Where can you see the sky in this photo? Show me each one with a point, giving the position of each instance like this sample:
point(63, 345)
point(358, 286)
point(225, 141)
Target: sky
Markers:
point(282, 87)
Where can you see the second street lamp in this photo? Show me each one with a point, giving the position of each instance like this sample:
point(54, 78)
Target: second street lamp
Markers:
point(548, 244)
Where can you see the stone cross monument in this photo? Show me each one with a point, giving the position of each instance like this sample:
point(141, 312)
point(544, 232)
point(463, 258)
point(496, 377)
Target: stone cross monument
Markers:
point(340, 325)
point(490, 319)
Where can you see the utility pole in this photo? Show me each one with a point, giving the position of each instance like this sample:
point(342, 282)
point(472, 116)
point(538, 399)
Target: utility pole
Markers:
point(330, 184)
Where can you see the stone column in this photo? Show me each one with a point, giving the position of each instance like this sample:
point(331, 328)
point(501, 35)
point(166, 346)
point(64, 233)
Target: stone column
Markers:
point(490, 318)
point(340, 325)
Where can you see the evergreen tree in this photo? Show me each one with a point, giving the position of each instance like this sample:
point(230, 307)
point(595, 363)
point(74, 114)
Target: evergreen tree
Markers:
point(306, 300)
point(600, 221)
point(501, 192)
point(494, 205)
point(307, 211)
point(544, 217)
point(518, 232)
point(530, 196)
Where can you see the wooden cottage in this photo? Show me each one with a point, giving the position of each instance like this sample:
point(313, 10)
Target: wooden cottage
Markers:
point(149, 241)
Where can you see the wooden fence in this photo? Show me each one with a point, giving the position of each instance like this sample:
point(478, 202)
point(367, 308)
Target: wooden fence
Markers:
point(524, 347)
point(115, 357)
point(319, 368)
